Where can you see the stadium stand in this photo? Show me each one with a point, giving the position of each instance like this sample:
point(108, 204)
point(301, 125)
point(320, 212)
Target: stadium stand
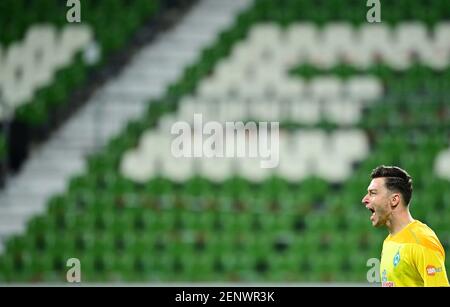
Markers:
point(348, 95)
point(45, 60)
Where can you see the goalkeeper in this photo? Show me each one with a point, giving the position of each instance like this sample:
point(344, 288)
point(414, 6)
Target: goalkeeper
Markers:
point(412, 254)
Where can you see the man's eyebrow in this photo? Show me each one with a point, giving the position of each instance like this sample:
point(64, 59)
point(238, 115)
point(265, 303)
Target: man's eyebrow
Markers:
point(372, 190)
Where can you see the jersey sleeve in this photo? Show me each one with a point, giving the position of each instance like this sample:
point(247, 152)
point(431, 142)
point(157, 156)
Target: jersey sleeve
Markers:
point(430, 264)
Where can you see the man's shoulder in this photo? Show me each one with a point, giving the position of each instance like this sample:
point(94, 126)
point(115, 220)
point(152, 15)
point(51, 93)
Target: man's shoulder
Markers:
point(422, 235)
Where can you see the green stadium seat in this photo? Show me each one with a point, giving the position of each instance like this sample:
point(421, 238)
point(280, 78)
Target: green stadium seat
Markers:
point(245, 265)
point(5, 267)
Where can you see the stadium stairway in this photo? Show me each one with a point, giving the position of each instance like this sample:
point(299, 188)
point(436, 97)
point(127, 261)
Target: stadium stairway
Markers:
point(121, 99)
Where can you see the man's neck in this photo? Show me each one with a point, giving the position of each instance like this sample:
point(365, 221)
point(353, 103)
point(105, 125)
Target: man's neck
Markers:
point(399, 221)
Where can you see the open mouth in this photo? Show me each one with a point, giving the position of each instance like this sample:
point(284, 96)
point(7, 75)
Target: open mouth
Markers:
point(373, 213)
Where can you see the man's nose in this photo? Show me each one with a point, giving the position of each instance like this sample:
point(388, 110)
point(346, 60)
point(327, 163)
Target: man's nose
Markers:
point(364, 200)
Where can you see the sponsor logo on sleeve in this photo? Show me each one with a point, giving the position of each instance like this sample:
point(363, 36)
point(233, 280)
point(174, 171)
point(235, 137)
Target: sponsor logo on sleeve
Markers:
point(388, 284)
point(432, 270)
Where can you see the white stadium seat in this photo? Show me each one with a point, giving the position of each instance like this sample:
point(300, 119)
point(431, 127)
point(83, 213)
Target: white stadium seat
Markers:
point(217, 169)
point(364, 88)
point(291, 89)
point(243, 52)
point(265, 110)
point(303, 39)
point(40, 43)
point(442, 35)
point(342, 111)
point(310, 143)
point(305, 111)
point(290, 167)
point(230, 110)
point(324, 58)
point(177, 169)
point(351, 144)
point(250, 169)
point(412, 37)
point(438, 56)
point(155, 143)
point(326, 87)
point(211, 88)
point(374, 39)
point(71, 39)
point(253, 90)
point(339, 38)
point(265, 34)
point(166, 122)
point(442, 165)
point(17, 76)
point(186, 108)
point(332, 168)
point(138, 167)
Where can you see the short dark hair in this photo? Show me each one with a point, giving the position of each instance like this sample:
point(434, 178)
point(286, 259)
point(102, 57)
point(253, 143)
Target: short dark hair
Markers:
point(396, 179)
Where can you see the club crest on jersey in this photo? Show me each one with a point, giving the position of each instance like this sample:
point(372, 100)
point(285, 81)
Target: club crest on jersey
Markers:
point(397, 258)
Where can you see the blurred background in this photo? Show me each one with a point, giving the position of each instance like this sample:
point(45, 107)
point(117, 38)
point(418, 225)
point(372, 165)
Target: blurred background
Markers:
point(86, 110)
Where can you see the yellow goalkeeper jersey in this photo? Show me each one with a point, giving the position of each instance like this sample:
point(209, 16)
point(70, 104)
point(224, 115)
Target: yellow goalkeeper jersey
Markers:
point(413, 257)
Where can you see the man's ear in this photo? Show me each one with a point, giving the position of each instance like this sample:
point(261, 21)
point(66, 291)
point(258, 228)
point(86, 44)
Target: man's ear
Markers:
point(395, 199)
